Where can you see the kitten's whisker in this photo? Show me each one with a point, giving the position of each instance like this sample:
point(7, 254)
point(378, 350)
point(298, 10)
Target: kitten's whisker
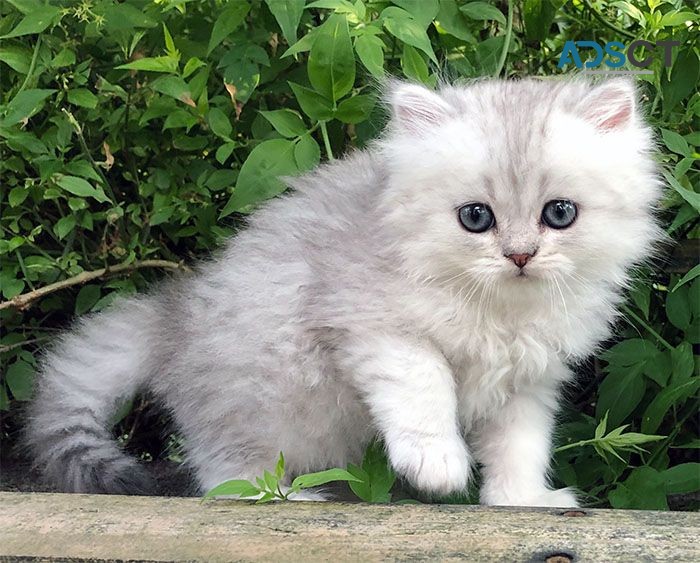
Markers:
point(563, 300)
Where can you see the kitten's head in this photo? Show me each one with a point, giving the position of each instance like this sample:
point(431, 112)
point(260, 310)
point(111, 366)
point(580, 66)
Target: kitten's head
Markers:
point(522, 184)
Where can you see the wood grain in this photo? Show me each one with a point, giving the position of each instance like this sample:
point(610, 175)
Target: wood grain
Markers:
point(47, 526)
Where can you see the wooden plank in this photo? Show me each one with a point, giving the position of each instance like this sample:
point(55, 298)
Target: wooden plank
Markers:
point(45, 526)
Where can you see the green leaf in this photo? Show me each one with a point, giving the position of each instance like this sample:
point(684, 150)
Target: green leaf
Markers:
point(304, 44)
point(630, 352)
point(483, 11)
point(258, 179)
point(20, 379)
point(192, 64)
point(24, 105)
point(229, 19)
point(175, 87)
point(413, 65)
point(682, 479)
point(356, 109)
point(266, 497)
point(538, 16)
point(270, 480)
point(238, 487)
point(65, 58)
point(83, 98)
point(454, 22)
point(662, 403)
point(87, 297)
point(683, 80)
point(690, 276)
point(35, 22)
point(322, 477)
point(331, 64)
point(692, 198)
point(224, 152)
point(220, 124)
point(279, 468)
point(78, 186)
point(620, 393)
point(153, 64)
point(674, 18)
point(245, 76)
point(401, 25)
point(16, 57)
point(692, 445)
point(221, 179)
point(17, 196)
point(658, 367)
point(11, 287)
point(644, 489)
point(312, 103)
point(487, 54)
point(370, 50)
point(423, 11)
point(678, 308)
point(675, 142)
point(64, 226)
point(286, 122)
point(376, 476)
point(683, 362)
point(307, 153)
point(288, 15)
point(161, 215)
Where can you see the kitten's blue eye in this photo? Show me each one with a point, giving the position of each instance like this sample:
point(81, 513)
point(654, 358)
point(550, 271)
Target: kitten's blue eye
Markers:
point(476, 217)
point(559, 213)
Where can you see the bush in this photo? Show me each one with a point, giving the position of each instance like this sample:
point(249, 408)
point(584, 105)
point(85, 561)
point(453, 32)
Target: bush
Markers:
point(136, 134)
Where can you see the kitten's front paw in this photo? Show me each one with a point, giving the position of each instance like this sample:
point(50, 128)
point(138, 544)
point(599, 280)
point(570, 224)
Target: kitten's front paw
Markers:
point(437, 466)
point(561, 498)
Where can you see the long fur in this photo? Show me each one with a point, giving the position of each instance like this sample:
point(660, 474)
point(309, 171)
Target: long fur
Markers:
point(357, 304)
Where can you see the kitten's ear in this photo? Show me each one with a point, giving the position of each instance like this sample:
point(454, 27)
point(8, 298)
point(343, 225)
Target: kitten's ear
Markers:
point(610, 106)
point(414, 107)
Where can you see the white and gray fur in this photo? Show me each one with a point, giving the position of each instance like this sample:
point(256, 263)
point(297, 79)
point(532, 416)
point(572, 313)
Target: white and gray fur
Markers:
point(357, 305)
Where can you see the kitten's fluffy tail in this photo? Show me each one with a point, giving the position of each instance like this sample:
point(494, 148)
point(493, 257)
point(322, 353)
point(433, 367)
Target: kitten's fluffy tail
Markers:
point(105, 360)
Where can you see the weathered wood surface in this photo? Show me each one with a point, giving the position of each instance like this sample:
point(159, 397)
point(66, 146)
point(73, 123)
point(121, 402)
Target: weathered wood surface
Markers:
point(44, 526)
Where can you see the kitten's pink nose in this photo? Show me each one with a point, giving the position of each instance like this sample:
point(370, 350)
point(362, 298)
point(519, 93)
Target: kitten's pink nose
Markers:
point(520, 259)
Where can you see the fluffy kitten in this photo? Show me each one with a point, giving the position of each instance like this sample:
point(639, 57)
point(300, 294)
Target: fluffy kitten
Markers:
point(378, 297)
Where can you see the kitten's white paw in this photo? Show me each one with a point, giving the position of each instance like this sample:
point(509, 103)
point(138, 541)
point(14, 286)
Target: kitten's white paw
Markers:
point(437, 466)
point(560, 498)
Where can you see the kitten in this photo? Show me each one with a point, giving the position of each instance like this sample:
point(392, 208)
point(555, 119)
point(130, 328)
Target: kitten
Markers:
point(431, 289)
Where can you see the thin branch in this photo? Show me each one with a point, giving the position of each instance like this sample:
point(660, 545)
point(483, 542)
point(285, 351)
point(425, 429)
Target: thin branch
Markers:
point(326, 140)
point(509, 32)
point(32, 65)
point(8, 347)
point(23, 301)
point(86, 153)
point(646, 325)
point(606, 23)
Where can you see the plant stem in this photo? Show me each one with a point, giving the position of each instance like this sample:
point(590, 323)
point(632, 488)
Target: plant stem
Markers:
point(644, 324)
point(32, 65)
point(509, 32)
point(606, 23)
point(574, 445)
point(326, 141)
point(26, 299)
point(86, 153)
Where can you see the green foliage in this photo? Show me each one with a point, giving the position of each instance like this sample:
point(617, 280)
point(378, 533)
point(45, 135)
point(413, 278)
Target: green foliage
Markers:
point(146, 129)
point(267, 488)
